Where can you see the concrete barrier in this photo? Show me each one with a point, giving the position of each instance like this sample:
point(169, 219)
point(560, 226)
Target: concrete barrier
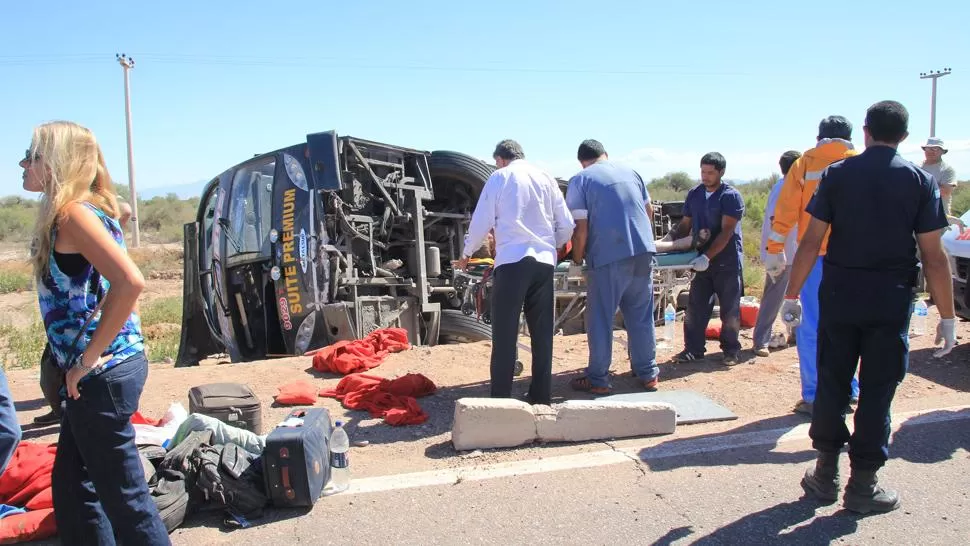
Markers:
point(492, 422)
point(581, 420)
point(482, 423)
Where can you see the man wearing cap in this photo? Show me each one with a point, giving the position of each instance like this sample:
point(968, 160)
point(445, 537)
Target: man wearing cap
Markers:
point(944, 174)
point(834, 143)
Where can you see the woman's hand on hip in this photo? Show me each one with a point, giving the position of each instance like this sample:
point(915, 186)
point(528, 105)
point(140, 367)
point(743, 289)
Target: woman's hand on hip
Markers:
point(78, 372)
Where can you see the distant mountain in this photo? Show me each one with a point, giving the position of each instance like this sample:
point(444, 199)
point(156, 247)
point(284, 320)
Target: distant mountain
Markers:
point(183, 191)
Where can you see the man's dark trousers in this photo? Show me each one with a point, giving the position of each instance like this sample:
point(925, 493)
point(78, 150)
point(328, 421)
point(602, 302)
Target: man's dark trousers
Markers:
point(527, 283)
point(700, 306)
point(864, 316)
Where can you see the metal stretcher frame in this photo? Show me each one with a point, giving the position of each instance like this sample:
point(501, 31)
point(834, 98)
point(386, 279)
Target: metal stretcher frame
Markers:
point(570, 285)
point(667, 275)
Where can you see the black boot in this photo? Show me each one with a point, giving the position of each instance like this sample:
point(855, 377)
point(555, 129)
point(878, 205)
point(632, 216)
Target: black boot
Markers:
point(823, 480)
point(863, 494)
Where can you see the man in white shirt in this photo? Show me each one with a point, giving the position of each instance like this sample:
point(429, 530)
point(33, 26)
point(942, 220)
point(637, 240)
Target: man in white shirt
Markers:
point(774, 292)
point(527, 211)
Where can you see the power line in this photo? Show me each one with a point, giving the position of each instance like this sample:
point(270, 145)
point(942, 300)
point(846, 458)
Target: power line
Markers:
point(345, 63)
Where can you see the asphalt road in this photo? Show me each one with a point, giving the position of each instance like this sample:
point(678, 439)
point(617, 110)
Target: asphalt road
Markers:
point(691, 491)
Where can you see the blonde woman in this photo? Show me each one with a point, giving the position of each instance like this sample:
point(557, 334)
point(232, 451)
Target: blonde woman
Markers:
point(88, 288)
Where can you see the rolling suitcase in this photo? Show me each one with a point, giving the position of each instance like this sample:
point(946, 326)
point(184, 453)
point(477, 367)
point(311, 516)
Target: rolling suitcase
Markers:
point(296, 461)
point(231, 403)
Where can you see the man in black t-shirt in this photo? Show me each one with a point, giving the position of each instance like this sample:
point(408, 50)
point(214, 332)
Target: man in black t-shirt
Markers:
point(874, 203)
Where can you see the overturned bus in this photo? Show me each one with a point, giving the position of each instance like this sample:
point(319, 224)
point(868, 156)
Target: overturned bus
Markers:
point(328, 240)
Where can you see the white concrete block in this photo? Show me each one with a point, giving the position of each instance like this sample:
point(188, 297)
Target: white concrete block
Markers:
point(492, 422)
point(581, 420)
point(548, 426)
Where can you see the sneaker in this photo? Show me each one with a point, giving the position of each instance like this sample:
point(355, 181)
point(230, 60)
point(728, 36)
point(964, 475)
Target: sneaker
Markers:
point(50, 418)
point(687, 356)
point(730, 358)
point(761, 351)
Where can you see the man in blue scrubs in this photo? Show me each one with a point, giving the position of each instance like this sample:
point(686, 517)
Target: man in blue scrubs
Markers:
point(717, 207)
point(610, 205)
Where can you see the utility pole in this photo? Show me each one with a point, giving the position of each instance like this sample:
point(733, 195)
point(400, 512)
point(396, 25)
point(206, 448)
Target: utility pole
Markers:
point(127, 63)
point(933, 75)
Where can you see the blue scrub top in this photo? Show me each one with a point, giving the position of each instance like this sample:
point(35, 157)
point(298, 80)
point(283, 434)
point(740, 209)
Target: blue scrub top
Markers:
point(706, 212)
point(612, 198)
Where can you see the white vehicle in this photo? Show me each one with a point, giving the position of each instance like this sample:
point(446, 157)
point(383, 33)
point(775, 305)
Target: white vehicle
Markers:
point(957, 246)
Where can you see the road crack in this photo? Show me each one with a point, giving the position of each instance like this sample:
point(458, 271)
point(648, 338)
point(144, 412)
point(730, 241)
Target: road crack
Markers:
point(637, 463)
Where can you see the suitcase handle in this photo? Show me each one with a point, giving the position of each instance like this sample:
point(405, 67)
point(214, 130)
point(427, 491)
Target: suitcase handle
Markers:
point(287, 490)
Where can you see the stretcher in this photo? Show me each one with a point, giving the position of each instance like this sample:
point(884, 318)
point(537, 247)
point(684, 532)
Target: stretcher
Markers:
point(670, 270)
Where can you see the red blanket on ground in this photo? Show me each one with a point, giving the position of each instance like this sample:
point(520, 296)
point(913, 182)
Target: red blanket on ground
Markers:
point(392, 399)
point(26, 483)
point(347, 357)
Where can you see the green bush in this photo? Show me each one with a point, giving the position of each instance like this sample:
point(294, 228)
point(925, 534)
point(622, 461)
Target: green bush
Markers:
point(14, 281)
point(162, 311)
point(160, 219)
point(754, 278)
point(961, 199)
point(161, 322)
point(22, 347)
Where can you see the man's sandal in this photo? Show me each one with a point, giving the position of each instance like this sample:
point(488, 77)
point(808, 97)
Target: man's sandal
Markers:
point(582, 384)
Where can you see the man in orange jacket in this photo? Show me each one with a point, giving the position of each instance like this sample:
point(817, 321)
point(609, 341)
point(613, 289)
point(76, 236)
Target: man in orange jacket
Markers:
point(834, 142)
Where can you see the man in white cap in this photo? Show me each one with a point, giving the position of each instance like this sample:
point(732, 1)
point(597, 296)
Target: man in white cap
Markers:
point(944, 174)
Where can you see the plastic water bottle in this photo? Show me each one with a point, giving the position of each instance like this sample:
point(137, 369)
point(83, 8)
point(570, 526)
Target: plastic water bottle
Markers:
point(670, 316)
point(339, 460)
point(919, 318)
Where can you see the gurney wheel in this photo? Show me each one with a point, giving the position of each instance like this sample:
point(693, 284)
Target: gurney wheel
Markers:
point(467, 309)
point(487, 318)
point(518, 368)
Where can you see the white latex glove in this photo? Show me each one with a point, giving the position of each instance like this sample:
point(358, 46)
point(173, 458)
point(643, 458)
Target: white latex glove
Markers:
point(791, 313)
point(700, 263)
point(775, 264)
point(946, 334)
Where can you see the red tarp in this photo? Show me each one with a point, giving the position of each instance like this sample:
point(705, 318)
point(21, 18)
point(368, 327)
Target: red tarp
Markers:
point(392, 399)
point(26, 483)
point(347, 357)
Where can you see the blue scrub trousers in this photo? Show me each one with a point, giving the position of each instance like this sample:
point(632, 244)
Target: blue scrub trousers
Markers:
point(806, 335)
point(700, 306)
point(626, 284)
point(9, 427)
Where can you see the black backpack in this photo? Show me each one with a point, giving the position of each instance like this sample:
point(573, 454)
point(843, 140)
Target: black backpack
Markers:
point(174, 478)
point(231, 478)
point(171, 498)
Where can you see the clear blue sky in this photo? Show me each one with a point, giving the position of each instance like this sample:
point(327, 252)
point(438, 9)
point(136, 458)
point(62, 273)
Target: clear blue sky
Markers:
point(658, 83)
